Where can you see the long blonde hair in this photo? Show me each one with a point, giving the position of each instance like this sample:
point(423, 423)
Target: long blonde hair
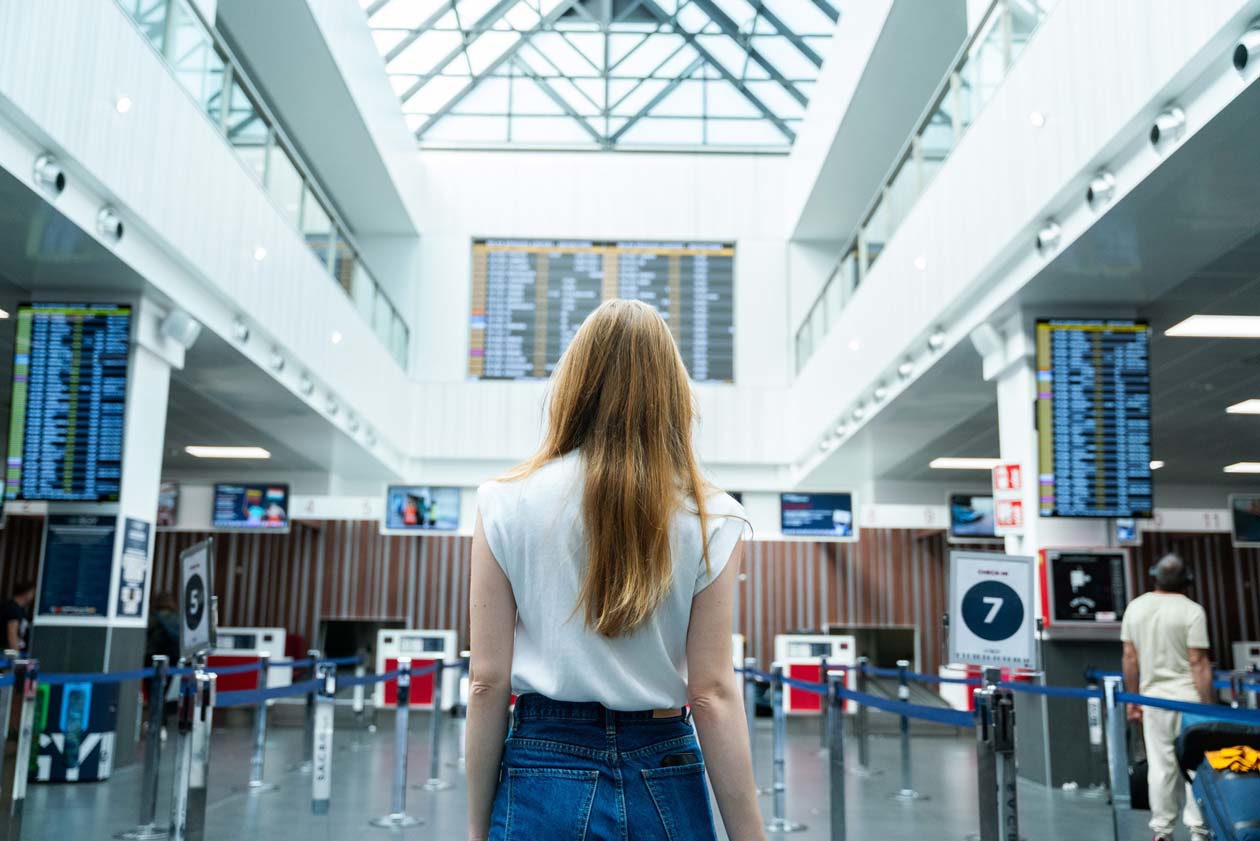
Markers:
point(621, 397)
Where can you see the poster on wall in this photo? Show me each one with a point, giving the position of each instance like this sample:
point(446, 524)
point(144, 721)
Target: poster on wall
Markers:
point(991, 611)
point(78, 559)
point(133, 572)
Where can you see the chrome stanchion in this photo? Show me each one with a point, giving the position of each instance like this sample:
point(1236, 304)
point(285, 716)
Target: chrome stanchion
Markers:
point(147, 829)
point(6, 707)
point(1117, 750)
point(25, 682)
point(862, 725)
point(1236, 698)
point(435, 781)
point(823, 726)
point(256, 783)
point(182, 776)
point(1253, 686)
point(398, 816)
point(750, 713)
point(906, 793)
point(835, 724)
point(461, 697)
point(1097, 753)
point(199, 770)
point(779, 822)
point(995, 754)
point(322, 740)
point(308, 737)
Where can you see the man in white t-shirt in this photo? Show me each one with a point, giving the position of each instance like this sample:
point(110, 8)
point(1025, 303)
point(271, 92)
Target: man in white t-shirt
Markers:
point(1166, 656)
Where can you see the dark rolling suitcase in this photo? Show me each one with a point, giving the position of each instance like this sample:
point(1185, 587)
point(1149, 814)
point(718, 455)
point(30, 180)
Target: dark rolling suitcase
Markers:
point(1230, 802)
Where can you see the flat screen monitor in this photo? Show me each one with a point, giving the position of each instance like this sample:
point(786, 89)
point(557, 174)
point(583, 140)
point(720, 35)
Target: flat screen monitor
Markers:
point(971, 517)
point(78, 560)
point(1127, 532)
point(69, 396)
point(252, 506)
point(1094, 418)
point(421, 508)
point(1086, 589)
point(529, 297)
point(820, 515)
point(168, 504)
point(1244, 511)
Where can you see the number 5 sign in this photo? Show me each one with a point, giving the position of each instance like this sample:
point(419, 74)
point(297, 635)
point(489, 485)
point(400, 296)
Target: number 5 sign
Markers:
point(991, 610)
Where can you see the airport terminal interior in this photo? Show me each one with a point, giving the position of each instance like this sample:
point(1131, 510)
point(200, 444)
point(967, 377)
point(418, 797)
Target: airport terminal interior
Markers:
point(968, 292)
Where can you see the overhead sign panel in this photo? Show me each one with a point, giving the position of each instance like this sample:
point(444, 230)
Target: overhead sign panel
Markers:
point(991, 611)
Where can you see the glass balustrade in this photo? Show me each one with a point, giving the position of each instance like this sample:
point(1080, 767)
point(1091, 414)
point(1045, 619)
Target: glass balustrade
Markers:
point(205, 67)
point(982, 65)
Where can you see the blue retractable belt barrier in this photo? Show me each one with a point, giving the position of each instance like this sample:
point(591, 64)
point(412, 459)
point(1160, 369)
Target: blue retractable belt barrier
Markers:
point(878, 672)
point(366, 680)
point(54, 679)
point(344, 661)
point(6, 680)
point(245, 697)
point(291, 664)
point(1209, 710)
point(243, 668)
point(953, 718)
point(1052, 691)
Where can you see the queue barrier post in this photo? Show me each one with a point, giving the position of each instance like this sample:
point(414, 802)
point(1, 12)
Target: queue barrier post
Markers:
point(835, 726)
point(1097, 742)
point(1253, 686)
point(322, 740)
point(6, 706)
point(995, 759)
point(308, 722)
point(862, 723)
point(398, 816)
point(147, 829)
point(465, 664)
point(257, 785)
point(357, 704)
point(905, 794)
point(435, 781)
point(199, 750)
point(779, 822)
point(823, 724)
point(25, 683)
point(750, 713)
point(1117, 750)
point(182, 776)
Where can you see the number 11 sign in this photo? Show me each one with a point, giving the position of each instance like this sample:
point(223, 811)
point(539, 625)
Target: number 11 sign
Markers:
point(991, 610)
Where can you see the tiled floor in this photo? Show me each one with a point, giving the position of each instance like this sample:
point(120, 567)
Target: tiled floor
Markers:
point(944, 770)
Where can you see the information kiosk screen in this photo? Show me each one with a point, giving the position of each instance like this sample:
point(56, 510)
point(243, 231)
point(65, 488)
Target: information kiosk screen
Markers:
point(817, 515)
point(1244, 509)
point(971, 517)
point(251, 507)
point(1086, 589)
point(530, 296)
point(69, 393)
point(1094, 418)
point(421, 508)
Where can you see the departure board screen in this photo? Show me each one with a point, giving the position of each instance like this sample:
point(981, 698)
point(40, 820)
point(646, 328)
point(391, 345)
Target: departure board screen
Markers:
point(69, 393)
point(1094, 418)
point(529, 297)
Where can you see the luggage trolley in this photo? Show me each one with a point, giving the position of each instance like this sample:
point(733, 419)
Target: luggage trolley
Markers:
point(424, 647)
point(237, 646)
point(801, 656)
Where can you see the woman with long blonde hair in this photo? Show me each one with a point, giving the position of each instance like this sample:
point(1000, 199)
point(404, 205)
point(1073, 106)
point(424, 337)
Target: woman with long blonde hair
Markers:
point(603, 591)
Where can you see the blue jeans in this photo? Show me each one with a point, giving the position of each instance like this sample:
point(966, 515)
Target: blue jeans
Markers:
point(581, 772)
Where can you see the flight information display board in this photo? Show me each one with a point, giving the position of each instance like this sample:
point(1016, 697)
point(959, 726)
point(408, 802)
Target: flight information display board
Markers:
point(69, 393)
point(1094, 418)
point(529, 297)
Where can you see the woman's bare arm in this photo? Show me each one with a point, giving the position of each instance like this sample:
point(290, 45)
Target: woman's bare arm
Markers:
point(716, 705)
point(492, 628)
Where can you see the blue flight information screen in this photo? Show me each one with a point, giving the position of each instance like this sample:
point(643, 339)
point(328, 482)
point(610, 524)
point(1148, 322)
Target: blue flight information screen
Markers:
point(1094, 418)
point(817, 515)
point(69, 396)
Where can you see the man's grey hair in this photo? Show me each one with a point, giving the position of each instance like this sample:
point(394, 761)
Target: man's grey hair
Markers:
point(1171, 573)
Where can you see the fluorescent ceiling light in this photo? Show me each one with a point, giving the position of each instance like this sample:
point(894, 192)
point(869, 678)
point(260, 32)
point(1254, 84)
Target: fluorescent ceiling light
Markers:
point(1156, 464)
point(227, 452)
point(964, 463)
point(1247, 407)
point(1217, 327)
point(1243, 467)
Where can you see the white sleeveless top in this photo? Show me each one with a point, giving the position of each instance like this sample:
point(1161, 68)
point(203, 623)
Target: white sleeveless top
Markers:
point(535, 530)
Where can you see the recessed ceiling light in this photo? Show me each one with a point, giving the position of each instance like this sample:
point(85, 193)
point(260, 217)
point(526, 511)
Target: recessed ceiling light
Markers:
point(123, 104)
point(1247, 407)
point(920, 262)
point(1037, 119)
point(1217, 327)
point(199, 451)
point(962, 463)
point(936, 341)
point(1156, 464)
point(260, 254)
point(905, 369)
point(1243, 467)
point(336, 337)
point(855, 344)
point(880, 392)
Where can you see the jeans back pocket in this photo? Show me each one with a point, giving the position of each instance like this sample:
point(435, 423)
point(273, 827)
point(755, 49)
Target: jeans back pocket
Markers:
point(682, 800)
point(549, 803)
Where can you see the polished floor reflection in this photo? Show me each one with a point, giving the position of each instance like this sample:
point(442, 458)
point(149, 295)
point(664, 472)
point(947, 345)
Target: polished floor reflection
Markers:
point(944, 770)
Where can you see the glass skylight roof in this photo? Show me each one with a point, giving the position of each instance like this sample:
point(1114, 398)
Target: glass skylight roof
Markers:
point(714, 75)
